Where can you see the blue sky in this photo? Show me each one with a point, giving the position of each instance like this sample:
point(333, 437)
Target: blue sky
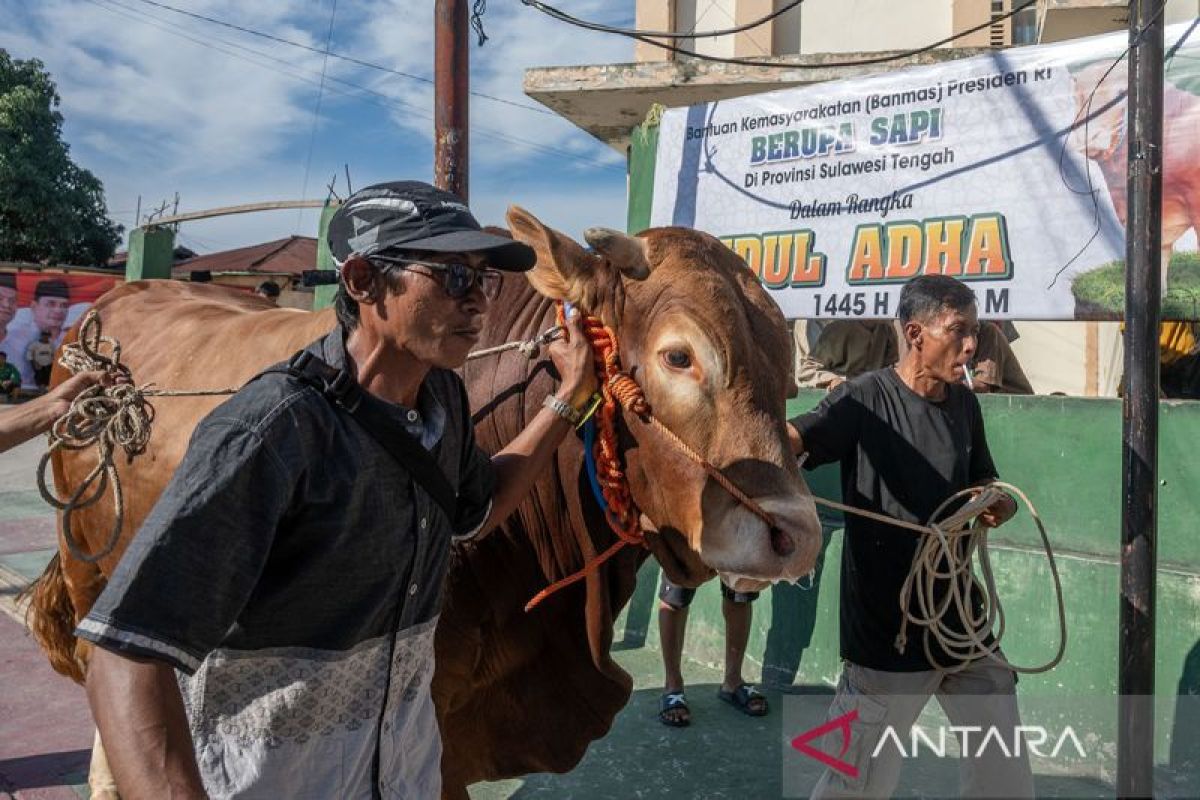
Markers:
point(157, 103)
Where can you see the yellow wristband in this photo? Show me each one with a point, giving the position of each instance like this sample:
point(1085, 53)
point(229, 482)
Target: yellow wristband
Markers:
point(590, 409)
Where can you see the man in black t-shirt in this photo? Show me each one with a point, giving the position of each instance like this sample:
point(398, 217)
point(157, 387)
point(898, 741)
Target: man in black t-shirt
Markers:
point(907, 438)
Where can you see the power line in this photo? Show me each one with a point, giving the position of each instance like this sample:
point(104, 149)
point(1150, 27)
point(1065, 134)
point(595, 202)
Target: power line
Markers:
point(312, 134)
point(360, 93)
point(327, 52)
point(563, 16)
point(748, 62)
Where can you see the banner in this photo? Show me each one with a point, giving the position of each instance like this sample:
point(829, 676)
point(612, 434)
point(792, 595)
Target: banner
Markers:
point(1006, 170)
point(37, 303)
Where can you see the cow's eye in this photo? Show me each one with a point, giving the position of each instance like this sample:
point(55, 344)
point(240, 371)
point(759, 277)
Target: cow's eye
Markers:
point(677, 359)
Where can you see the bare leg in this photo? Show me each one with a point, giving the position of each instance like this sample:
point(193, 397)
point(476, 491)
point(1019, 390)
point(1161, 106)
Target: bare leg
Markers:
point(672, 625)
point(737, 636)
point(101, 782)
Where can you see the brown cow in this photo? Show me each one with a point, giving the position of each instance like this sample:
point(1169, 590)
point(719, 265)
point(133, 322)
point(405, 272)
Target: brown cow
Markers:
point(1104, 140)
point(504, 677)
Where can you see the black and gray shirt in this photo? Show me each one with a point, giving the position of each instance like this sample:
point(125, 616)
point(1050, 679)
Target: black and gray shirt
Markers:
point(293, 576)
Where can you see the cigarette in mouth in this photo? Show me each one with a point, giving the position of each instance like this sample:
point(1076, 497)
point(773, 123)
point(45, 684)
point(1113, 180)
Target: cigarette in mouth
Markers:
point(967, 377)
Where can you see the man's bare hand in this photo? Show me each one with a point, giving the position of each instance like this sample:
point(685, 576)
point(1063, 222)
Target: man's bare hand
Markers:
point(998, 512)
point(572, 357)
point(58, 400)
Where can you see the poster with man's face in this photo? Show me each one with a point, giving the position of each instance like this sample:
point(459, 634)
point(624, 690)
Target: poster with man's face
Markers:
point(36, 309)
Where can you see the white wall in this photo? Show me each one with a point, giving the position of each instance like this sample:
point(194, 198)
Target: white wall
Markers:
point(848, 26)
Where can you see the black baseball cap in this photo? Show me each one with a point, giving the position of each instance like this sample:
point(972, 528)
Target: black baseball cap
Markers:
point(411, 215)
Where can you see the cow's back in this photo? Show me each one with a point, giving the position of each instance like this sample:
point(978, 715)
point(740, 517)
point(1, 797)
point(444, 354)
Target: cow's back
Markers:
point(174, 336)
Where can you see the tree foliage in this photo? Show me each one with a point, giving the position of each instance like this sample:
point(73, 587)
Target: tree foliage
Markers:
point(51, 210)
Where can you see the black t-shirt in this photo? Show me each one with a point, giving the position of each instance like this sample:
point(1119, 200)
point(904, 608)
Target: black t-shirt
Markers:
point(901, 455)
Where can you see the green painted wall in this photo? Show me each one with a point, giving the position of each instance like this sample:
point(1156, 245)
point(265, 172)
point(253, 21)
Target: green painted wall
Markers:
point(151, 254)
point(1066, 454)
point(323, 295)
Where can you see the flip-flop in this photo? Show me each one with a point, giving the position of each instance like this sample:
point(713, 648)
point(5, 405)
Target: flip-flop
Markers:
point(740, 699)
point(673, 701)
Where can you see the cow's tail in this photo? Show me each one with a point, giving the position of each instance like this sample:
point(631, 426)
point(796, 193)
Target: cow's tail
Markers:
point(51, 619)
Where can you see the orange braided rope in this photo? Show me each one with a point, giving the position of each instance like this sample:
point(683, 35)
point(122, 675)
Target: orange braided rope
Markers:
point(622, 513)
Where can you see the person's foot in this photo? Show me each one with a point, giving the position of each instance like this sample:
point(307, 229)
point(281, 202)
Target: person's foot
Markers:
point(745, 698)
point(673, 709)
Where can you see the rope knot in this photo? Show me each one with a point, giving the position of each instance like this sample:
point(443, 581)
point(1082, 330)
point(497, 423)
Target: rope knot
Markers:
point(628, 393)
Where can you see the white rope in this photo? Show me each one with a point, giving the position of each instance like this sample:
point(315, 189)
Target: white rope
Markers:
point(530, 348)
point(942, 579)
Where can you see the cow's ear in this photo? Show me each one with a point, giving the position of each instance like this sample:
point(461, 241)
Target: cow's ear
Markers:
point(564, 270)
point(627, 253)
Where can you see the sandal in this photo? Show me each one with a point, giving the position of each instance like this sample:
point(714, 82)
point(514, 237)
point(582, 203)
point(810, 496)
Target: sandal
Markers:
point(674, 701)
point(743, 699)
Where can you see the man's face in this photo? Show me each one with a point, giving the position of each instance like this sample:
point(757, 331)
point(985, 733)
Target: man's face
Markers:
point(426, 321)
point(8, 306)
point(49, 313)
point(945, 342)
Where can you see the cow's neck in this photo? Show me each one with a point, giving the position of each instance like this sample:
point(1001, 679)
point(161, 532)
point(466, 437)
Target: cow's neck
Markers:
point(390, 373)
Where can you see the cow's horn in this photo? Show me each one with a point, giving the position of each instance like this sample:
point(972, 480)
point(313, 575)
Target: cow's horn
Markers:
point(627, 253)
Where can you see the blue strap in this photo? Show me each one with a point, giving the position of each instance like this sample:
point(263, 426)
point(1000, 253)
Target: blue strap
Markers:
point(589, 461)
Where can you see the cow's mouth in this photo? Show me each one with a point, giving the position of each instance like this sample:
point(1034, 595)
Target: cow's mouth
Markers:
point(681, 564)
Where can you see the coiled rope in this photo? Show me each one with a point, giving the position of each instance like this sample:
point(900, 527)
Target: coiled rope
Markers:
point(109, 417)
point(942, 579)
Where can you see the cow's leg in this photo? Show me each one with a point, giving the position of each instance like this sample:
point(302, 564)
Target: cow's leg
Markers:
point(453, 790)
point(101, 782)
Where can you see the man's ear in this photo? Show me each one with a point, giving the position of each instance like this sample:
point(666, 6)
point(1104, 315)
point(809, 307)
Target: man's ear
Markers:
point(360, 279)
point(912, 333)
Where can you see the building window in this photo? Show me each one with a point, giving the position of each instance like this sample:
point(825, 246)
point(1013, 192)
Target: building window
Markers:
point(1021, 28)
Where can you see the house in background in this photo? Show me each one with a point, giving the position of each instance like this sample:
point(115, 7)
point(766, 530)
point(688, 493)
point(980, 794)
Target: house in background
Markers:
point(282, 261)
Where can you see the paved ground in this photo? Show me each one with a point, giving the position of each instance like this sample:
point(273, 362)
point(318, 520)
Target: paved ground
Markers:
point(46, 730)
point(45, 727)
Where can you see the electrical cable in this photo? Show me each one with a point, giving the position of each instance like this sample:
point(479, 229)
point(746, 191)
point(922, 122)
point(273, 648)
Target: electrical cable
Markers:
point(312, 134)
point(1086, 112)
point(326, 52)
point(563, 16)
point(748, 62)
point(361, 92)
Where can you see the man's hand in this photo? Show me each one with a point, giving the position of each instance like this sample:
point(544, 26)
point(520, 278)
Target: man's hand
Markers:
point(835, 381)
point(572, 357)
point(998, 512)
point(58, 400)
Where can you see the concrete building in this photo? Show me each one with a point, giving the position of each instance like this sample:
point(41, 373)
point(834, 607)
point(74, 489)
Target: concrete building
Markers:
point(608, 100)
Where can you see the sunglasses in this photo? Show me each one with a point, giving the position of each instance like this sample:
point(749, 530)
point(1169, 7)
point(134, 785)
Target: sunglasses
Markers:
point(457, 279)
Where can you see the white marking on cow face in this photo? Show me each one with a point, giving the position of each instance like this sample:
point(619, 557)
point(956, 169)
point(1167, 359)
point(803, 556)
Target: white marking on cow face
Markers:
point(684, 367)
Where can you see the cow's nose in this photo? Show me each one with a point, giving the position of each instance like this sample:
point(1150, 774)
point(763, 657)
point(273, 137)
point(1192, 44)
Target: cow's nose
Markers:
point(782, 544)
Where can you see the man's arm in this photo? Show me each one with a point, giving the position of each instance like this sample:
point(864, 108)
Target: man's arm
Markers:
point(139, 713)
point(794, 439)
point(527, 456)
point(28, 420)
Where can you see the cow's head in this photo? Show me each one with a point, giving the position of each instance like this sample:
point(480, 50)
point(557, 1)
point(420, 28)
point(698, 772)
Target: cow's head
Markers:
point(1099, 94)
point(710, 350)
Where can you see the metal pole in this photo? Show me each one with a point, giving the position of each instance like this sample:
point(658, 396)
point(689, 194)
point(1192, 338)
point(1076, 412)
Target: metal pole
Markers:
point(1139, 451)
point(451, 72)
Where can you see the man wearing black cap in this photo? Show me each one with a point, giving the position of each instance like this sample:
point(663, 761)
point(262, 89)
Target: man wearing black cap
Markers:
point(47, 313)
point(279, 603)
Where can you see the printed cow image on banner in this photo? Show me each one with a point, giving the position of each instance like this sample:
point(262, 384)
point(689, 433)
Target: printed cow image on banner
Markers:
point(36, 309)
point(1006, 170)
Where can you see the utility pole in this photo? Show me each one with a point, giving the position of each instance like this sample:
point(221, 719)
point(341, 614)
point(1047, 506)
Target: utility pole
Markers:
point(451, 81)
point(1139, 441)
